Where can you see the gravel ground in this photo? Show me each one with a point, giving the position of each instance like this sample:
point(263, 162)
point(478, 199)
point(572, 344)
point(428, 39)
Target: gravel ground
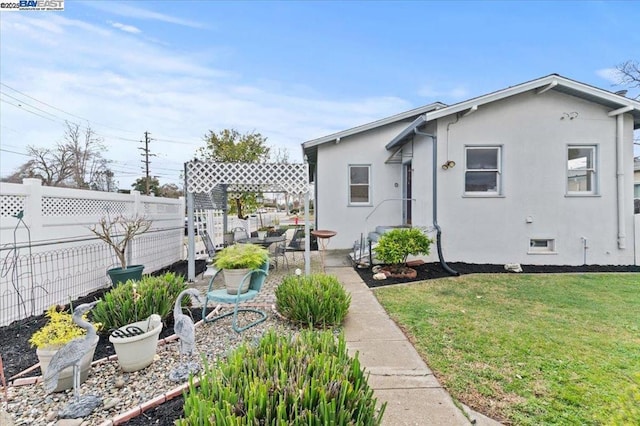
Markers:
point(30, 404)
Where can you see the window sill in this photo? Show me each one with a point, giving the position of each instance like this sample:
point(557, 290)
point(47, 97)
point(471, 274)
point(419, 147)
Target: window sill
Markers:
point(542, 252)
point(360, 205)
point(574, 195)
point(471, 195)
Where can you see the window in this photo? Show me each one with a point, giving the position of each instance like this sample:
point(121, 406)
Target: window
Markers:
point(359, 184)
point(542, 246)
point(581, 170)
point(483, 169)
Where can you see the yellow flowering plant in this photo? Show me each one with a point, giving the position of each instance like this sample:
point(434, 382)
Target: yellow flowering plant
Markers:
point(59, 330)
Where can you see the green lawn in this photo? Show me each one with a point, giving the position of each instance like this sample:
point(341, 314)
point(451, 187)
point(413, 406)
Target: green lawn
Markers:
point(528, 349)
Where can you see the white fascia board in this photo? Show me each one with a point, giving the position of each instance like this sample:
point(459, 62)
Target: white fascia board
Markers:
point(374, 124)
point(546, 83)
point(491, 97)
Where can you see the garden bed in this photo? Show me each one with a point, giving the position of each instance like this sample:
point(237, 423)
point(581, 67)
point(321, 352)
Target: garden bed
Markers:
point(429, 271)
point(18, 355)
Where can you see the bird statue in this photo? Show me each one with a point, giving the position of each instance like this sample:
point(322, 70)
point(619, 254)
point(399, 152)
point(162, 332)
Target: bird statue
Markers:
point(185, 329)
point(72, 353)
point(183, 325)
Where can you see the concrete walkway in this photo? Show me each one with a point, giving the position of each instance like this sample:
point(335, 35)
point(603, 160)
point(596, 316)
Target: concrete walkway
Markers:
point(397, 374)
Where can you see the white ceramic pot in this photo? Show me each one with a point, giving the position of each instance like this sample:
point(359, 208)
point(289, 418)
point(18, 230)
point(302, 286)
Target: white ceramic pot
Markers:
point(137, 352)
point(233, 280)
point(262, 234)
point(65, 378)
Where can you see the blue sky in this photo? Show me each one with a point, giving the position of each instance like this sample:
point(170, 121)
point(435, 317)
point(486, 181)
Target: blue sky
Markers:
point(293, 71)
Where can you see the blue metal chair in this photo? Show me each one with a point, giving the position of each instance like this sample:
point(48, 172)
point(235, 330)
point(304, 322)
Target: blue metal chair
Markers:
point(257, 278)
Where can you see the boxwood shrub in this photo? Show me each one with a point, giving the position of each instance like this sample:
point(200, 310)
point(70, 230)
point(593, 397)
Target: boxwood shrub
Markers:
point(317, 300)
point(306, 379)
point(136, 300)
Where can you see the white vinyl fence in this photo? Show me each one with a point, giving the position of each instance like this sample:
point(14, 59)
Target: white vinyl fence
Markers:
point(50, 256)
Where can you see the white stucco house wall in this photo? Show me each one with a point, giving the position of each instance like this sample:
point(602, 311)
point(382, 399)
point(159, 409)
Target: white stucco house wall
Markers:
point(537, 173)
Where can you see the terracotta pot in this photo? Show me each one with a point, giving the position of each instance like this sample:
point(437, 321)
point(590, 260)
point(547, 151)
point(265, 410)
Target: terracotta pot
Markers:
point(233, 280)
point(65, 378)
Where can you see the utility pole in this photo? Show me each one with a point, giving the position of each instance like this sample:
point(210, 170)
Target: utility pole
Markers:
point(146, 162)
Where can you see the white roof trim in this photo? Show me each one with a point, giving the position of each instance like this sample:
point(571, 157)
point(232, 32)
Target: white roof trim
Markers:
point(549, 82)
point(363, 128)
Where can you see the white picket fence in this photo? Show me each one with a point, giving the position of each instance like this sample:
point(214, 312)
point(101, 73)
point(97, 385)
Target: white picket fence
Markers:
point(50, 256)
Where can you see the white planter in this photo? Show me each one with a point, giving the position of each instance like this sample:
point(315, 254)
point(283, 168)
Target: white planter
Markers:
point(233, 280)
point(262, 234)
point(65, 378)
point(137, 352)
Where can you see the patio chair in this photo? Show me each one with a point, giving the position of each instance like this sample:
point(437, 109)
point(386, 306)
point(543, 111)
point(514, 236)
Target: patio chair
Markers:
point(296, 243)
point(257, 278)
point(279, 251)
point(239, 233)
point(211, 253)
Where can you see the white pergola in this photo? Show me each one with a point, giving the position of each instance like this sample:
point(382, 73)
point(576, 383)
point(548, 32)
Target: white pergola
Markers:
point(211, 181)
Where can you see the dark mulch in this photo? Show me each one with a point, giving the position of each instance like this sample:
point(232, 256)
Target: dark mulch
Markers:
point(429, 271)
point(18, 355)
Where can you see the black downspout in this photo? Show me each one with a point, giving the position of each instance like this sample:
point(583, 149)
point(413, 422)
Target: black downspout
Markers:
point(443, 262)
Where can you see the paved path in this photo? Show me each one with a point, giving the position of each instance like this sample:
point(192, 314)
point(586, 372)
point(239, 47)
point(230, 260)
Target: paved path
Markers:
point(397, 374)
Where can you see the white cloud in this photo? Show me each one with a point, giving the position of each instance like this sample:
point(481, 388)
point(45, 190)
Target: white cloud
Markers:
point(442, 93)
point(126, 28)
point(612, 75)
point(125, 87)
point(126, 10)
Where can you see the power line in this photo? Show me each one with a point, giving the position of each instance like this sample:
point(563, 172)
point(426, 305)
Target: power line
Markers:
point(61, 110)
point(14, 152)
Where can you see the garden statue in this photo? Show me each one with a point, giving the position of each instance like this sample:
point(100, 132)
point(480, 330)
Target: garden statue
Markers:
point(185, 329)
point(70, 355)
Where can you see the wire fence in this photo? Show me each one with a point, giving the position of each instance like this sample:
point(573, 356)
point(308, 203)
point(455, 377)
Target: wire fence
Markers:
point(60, 272)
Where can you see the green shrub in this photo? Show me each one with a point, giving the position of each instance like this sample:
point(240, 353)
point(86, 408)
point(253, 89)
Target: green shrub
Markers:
point(239, 256)
point(308, 379)
point(316, 301)
point(396, 245)
point(136, 300)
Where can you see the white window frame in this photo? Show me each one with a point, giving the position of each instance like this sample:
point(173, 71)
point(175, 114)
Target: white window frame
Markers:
point(498, 171)
point(593, 170)
point(542, 246)
point(368, 185)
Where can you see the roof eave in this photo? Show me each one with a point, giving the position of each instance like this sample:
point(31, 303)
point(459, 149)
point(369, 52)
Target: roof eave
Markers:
point(372, 125)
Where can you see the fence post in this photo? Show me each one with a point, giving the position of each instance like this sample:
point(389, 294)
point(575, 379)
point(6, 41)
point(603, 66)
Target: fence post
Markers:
point(33, 205)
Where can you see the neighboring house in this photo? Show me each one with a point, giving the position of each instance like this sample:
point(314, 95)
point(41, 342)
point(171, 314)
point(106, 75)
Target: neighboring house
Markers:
point(538, 173)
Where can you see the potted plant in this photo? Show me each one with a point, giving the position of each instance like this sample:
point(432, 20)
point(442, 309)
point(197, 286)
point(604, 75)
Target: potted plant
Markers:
point(263, 231)
point(236, 261)
point(57, 332)
point(118, 233)
point(396, 245)
point(135, 341)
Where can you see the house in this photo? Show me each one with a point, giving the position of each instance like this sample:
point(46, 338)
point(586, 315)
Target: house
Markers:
point(537, 173)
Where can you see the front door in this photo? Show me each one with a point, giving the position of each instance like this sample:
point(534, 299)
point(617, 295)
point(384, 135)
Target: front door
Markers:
point(407, 194)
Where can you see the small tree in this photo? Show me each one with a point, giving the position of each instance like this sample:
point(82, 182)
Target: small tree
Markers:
point(396, 245)
point(118, 233)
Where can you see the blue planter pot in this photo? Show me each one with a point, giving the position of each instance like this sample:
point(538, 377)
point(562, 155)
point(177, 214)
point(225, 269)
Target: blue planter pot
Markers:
point(119, 275)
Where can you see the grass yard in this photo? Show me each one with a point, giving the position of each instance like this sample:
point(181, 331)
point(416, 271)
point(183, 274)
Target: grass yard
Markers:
point(530, 349)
